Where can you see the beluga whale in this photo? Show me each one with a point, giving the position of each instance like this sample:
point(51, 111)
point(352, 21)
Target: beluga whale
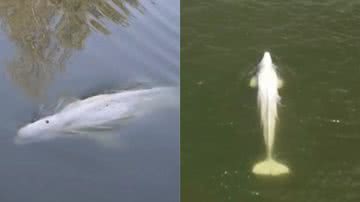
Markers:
point(268, 82)
point(93, 116)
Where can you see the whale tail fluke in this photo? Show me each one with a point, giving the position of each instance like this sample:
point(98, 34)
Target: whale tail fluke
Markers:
point(270, 167)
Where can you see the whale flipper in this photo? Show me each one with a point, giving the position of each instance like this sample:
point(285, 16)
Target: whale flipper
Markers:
point(280, 83)
point(253, 82)
point(270, 167)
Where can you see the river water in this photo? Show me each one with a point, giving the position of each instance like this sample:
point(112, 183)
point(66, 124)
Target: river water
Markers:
point(51, 49)
point(316, 46)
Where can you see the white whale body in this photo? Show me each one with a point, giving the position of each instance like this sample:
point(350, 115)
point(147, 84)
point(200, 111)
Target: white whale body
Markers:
point(98, 113)
point(268, 83)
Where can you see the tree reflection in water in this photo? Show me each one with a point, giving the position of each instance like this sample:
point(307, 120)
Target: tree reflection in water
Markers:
point(47, 32)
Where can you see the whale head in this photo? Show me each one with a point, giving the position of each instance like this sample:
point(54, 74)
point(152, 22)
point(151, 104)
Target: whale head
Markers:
point(266, 60)
point(40, 130)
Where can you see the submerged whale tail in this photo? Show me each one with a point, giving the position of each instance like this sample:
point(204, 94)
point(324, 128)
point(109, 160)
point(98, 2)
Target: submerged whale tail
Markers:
point(270, 167)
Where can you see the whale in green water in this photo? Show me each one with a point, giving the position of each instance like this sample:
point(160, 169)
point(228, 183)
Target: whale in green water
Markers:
point(268, 82)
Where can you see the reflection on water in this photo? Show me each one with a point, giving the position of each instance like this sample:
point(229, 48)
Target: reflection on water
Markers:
point(56, 50)
point(47, 32)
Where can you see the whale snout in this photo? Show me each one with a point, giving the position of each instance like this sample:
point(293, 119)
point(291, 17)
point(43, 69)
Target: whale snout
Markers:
point(23, 135)
point(267, 55)
point(266, 58)
point(22, 132)
point(30, 134)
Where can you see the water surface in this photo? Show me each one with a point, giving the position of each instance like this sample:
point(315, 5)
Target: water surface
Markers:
point(315, 45)
point(51, 49)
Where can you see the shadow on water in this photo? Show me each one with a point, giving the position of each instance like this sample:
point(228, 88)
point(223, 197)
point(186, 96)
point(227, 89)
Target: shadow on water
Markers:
point(47, 33)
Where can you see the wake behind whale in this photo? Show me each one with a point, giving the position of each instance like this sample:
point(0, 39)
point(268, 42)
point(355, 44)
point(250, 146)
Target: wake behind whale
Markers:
point(268, 83)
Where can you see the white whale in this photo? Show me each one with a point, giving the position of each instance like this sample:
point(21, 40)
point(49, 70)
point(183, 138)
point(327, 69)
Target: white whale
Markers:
point(268, 83)
point(98, 113)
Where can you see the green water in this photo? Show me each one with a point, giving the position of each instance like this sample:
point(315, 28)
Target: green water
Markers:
point(316, 46)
